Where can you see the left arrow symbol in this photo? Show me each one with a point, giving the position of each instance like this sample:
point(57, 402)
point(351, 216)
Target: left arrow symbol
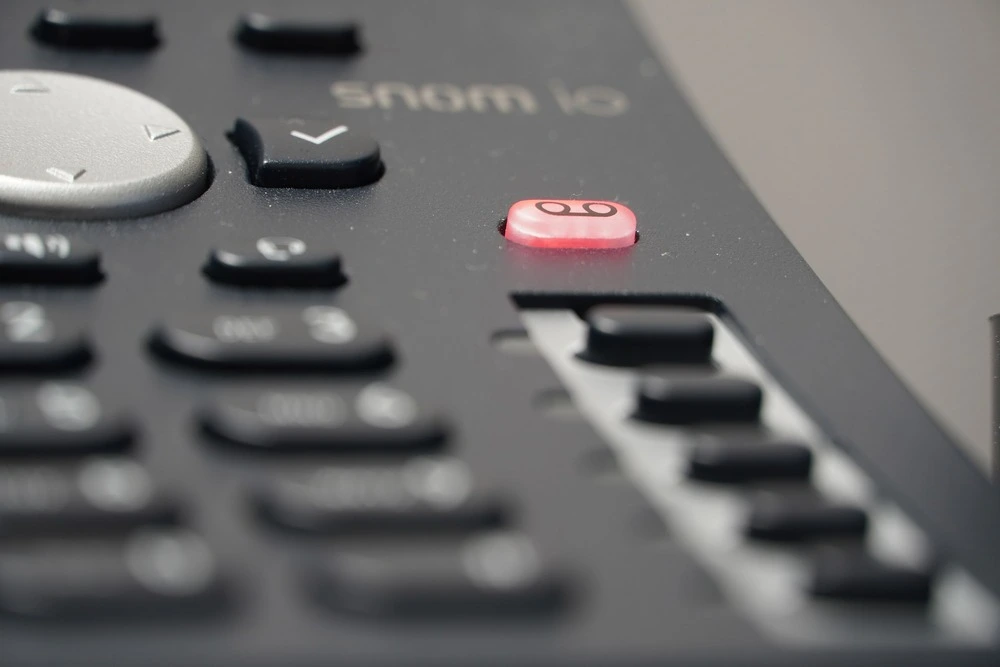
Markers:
point(63, 175)
point(29, 86)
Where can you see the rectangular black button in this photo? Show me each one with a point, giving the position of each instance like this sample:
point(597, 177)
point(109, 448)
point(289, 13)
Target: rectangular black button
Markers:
point(635, 335)
point(59, 419)
point(151, 573)
point(488, 574)
point(34, 338)
point(313, 339)
point(93, 31)
point(848, 574)
point(276, 261)
point(376, 418)
point(296, 153)
point(266, 33)
point(99, 496)
point(668, 398)
point(47, 258)
point(422, 495)
point(736, 461)
point(784, 517)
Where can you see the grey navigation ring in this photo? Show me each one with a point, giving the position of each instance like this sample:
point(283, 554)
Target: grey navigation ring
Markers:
point(78, 147)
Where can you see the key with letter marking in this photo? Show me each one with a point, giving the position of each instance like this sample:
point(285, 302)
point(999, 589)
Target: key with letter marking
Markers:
point(311, 339)
point(376, 418)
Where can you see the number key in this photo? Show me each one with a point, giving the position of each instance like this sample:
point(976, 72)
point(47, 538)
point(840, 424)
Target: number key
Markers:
point(59, 419)
point(32, 337)
point(308, 418)
point(316, 338)
point(47, 258)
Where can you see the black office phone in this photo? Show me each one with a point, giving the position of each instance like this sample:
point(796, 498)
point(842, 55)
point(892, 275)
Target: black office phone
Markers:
point(434, 333)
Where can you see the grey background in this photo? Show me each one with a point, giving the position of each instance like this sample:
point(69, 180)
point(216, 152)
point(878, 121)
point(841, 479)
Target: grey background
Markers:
point(870, 131)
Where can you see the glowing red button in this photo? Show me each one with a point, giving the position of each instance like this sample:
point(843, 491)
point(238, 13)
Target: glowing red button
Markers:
point(570, 223)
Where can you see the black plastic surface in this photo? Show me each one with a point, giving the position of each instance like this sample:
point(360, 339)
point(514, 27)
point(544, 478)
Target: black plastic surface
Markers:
point(427, 264)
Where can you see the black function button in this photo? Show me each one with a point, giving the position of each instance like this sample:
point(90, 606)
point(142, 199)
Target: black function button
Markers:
point(154, 572)
point(311, 339)
point(780, 518)
point(849, 574)
point(691, 399)
point(47, 258)
point(736, 461)
point(306, 154)
point(265, 33)
point(99, 496)
point(492, 573)
point(276, 261)
point(35, 338)
point(636, 335)
point(423, 495)
point(378, 418)
point(96, 31)
point(59, 419)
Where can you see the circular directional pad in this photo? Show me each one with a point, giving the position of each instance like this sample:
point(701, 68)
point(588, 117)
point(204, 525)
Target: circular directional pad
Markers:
point(79, 147)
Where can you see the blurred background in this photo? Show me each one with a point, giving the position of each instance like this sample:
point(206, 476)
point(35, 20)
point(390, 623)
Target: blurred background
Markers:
point(871, 133)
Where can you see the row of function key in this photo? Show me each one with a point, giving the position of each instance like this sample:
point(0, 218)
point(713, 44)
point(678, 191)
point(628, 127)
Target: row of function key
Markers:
point(678, 385)
point(64, 419)
point(131, 32)
point(271, 261)
point(315, 339)
point(173, 572)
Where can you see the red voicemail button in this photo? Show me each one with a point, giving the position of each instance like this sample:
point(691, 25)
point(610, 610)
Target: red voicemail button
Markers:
point(570, 223)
